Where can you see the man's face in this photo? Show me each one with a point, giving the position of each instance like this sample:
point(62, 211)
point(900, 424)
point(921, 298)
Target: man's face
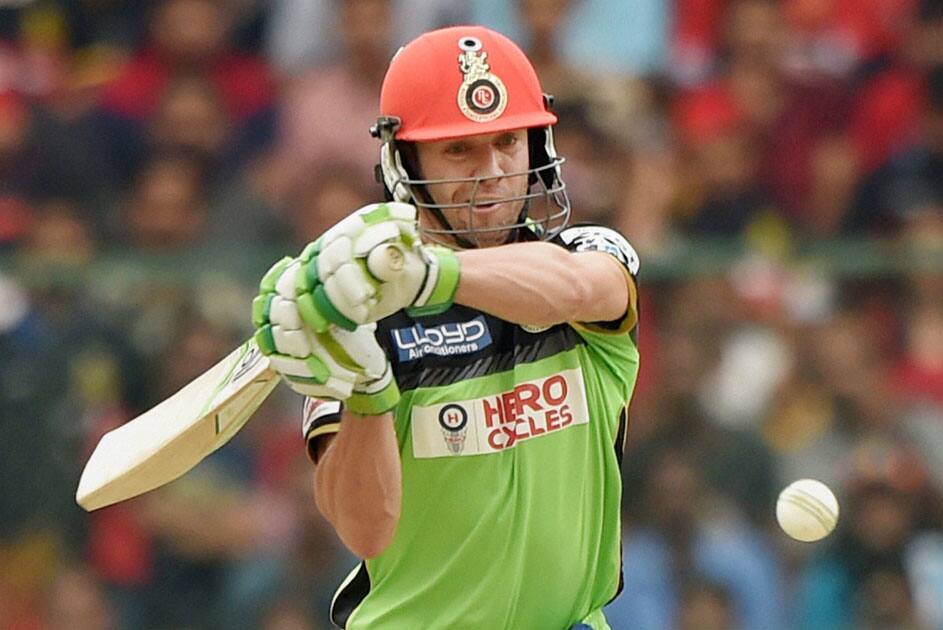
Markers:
point(491, 157)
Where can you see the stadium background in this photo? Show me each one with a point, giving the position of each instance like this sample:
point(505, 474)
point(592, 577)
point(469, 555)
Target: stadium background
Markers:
point(778, 165)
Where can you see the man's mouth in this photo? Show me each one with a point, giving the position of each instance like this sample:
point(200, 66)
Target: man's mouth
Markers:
point(484, 206)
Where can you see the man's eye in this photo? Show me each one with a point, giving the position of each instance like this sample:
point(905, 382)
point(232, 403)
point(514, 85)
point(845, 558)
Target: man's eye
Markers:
point(457, 148)
point(507, 140)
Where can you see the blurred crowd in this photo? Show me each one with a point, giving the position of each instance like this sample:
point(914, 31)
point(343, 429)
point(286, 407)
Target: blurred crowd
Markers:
point(156, 156)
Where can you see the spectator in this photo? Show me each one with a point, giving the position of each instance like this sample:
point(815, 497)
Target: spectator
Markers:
point(920, 368)
point(199, 540)
point(860, 579)
point(717, 146)
point(706, 606)
point(33, 529)
point(167, 209)
point(192, 37)
point(681, 539)
point(305, 33)
point(324, 199)
point(544, 20)
point(885, 600)
point(134, 140)
point(327, 112)
point(913, 179)
point(41, 156)
point(289, 615)
point(191, 119)
point(593, 163)
point(77, 601)
point(735, 463)
point(15, 173)
point(603, 36)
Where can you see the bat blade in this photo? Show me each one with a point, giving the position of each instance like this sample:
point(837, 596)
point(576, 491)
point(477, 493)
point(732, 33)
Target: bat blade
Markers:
point(170, 439)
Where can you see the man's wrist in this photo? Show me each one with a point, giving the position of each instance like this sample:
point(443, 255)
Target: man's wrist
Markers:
point(375, 397)
point(438, 291)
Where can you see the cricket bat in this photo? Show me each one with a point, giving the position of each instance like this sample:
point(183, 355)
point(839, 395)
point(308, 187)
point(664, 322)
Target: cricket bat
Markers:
point(167, 441)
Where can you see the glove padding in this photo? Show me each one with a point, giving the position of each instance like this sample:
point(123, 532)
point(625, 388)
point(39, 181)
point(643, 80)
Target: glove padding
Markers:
point(346, 365)
point(370, 265)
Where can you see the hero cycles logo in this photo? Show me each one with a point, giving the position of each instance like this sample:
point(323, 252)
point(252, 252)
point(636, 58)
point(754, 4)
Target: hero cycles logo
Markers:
point(443, 340)
point(497, 423)
point(527, 411)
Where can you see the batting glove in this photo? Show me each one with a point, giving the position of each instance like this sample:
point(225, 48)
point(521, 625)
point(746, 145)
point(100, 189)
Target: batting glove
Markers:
point(370, 265)
point(328, 362)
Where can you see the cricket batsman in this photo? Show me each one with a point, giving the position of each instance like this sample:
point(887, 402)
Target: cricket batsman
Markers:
point(467, 358)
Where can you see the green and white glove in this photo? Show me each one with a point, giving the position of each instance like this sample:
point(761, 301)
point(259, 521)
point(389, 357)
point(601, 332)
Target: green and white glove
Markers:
point(370, 265)
point(327, 362)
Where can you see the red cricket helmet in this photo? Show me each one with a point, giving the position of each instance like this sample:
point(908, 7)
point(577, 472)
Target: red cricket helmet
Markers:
point(463, 81)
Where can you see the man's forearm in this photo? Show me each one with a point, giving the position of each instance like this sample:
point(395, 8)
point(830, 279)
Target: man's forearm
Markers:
point(541, 284)
point(358, 483)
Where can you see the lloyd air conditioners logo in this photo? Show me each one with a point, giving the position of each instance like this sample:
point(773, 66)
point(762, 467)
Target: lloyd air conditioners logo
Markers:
point(492, 424)
point(443, 340)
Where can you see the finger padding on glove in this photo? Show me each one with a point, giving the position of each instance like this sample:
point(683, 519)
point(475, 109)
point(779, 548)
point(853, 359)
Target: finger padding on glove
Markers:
point(354, 226)
point(363, 349)
point(335, 275)
point(283, 312)
point(334, 254)
point(334, 389)
point(350, 292)
point(332, 287)
point(307, 357)
point(373, 235)
point(321, 359)
point(357, 354)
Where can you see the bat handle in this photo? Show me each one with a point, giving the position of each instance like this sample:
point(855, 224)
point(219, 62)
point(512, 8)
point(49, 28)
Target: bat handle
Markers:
point(386, 261)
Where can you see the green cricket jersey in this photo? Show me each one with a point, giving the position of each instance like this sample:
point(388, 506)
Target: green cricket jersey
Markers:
point(511, 440)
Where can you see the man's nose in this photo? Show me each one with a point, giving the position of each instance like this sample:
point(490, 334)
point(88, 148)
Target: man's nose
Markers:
point(491, 164)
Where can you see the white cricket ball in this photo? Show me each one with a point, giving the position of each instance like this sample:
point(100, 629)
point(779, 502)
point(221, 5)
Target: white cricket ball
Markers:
point(807, 510)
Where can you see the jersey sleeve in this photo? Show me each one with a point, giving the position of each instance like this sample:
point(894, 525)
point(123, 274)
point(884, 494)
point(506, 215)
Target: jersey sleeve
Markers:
point(320, 417)
point(597, 238)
